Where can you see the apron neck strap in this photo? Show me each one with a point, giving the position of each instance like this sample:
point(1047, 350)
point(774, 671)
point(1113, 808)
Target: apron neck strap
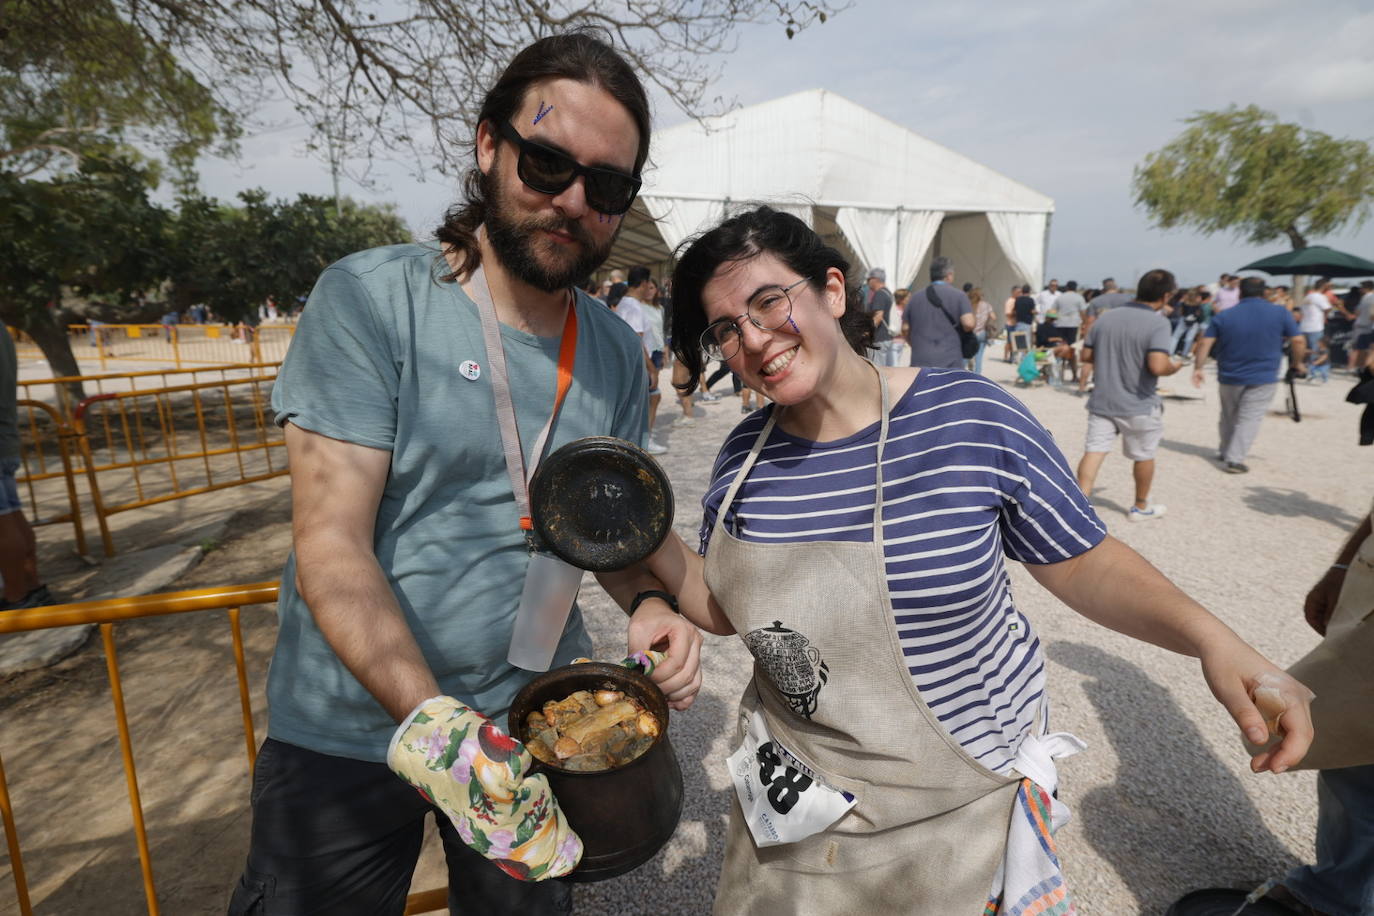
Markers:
point(480, 292)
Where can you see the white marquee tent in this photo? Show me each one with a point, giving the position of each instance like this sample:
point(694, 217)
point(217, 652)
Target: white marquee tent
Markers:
point(884, 195)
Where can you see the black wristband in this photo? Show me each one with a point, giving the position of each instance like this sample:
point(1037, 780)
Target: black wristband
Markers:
point(653, 593)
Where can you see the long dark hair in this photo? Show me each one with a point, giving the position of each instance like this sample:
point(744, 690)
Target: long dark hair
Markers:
point(579, 55)
point(739, 238)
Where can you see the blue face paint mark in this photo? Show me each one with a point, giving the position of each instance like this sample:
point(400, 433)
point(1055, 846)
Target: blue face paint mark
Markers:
point(795, 329)
point(542, 111)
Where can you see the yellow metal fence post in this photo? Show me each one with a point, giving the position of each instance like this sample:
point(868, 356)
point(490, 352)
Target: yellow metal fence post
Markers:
point(83, 442)
point(130, 774)
point(241, 669)
point(21, 884)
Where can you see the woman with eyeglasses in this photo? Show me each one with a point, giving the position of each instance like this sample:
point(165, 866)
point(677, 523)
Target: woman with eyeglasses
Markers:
point(855, 535)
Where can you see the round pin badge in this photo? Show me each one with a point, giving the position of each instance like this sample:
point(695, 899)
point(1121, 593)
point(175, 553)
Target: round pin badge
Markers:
point(470, 370)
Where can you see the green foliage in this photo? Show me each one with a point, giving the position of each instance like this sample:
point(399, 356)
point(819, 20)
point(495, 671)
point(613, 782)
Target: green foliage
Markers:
point(93, 232)
point(234, 258)
point(1242, 170)
point(78, 80)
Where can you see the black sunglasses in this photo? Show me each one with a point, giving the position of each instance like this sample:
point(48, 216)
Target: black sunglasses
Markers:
point(550, 172)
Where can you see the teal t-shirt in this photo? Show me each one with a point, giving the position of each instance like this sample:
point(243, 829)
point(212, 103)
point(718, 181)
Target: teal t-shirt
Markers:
point(375, 361)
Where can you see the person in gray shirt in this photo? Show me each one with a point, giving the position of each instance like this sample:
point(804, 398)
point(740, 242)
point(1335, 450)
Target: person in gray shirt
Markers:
point(1129, 346)
point(1069, 307)
point(1111, 297)
point(930, 330)
point(1362, 333)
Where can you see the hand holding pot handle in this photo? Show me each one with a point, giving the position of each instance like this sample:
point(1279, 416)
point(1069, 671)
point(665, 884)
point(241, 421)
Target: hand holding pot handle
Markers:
point(678, 672)
point(467, 766)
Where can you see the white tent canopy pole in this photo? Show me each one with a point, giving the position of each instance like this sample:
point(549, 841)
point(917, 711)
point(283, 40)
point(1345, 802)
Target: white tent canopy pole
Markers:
point(915, 231)
point(679, 218)
point(1022, 237)
point(872, 235)
point(895, 240)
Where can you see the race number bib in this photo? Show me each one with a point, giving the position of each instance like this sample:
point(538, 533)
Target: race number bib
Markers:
point(782, 799)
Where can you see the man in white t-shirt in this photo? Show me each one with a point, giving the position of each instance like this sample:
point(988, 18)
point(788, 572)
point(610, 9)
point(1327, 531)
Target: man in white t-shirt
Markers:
point(1227, 294)
point(1044, 307)
point(636, 316)
point(1315, 305)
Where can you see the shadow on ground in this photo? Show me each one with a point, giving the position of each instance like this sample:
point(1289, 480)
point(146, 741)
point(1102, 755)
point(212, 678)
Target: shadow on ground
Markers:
point(1187, 448)
point(1287, 503)
point(1102, 504)
point(1176, 818)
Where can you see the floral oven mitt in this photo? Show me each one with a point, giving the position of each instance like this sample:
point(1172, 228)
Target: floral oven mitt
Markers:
point(476, 774)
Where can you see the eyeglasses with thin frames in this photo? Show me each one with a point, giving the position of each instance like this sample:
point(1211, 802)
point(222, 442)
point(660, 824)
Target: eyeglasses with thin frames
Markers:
point(548, 171)
point(769, 310)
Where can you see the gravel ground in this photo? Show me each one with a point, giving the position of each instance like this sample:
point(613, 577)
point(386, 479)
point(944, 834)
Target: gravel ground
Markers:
point(1163, 799)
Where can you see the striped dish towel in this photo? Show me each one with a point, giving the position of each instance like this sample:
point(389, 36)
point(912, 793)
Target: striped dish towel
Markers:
point(1030, 879)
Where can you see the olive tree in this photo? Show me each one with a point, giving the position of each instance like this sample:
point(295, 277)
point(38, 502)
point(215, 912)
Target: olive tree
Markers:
point(1242, 170)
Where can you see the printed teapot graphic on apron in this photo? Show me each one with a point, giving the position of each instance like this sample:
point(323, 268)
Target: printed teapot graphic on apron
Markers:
point(793, 665)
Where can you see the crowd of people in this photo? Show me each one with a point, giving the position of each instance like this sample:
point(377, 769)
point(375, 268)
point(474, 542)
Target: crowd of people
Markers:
point(894, 753)
point(1052, 332)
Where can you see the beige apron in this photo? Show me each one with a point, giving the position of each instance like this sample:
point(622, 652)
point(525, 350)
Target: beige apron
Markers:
point(929, 827)
point(1338, 671)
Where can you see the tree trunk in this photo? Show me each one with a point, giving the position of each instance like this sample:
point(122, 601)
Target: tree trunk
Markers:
point(1299, 280)
point(52, 339)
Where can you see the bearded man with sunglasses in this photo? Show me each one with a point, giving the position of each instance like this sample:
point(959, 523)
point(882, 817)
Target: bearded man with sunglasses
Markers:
point(398, 601)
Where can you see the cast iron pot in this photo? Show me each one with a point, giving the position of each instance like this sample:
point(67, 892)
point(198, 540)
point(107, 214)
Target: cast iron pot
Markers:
point(601, 503)
point(625, 815)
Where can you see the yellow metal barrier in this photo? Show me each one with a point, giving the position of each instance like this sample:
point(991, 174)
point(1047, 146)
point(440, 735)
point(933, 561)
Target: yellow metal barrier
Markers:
point(45, 470)
point(24, 345)
point(141, 448)
point(56, 390)
point(183, 343)
point(106, 614)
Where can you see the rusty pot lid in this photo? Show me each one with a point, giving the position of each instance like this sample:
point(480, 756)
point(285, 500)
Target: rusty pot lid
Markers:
point(601, 503)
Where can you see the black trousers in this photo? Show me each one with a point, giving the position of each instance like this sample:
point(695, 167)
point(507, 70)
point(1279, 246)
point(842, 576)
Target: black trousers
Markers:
point(332, 835)
point(720, 373)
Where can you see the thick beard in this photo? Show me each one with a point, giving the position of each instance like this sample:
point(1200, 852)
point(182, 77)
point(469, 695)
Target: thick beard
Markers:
point(528, 258)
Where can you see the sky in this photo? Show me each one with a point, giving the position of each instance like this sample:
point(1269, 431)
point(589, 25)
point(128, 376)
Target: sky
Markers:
point(1066, 97)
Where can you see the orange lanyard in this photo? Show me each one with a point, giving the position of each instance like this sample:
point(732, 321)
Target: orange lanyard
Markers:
point(500, 389)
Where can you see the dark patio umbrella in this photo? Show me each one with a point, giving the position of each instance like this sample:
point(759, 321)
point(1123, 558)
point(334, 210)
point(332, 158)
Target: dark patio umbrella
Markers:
point(1316, 261)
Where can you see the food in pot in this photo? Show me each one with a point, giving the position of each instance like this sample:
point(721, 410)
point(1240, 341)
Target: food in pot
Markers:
point(588, 731)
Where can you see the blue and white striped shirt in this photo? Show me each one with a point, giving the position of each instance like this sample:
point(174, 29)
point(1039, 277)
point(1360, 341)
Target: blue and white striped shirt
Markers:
point(969, 475)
